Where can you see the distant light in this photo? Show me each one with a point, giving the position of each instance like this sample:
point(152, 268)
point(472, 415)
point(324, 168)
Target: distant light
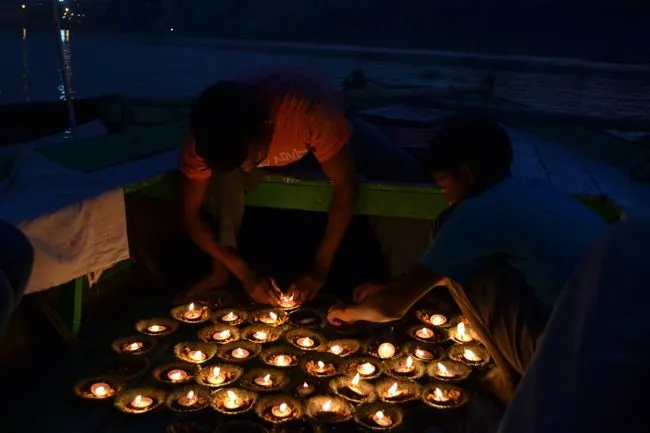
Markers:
point(23, 6)
point(171, 29)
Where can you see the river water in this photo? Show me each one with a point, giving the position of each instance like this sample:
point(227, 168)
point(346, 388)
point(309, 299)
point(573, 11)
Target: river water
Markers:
point(103, 63)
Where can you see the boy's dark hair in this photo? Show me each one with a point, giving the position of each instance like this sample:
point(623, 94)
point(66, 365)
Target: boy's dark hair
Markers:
point(477, 141)
point(225, 120)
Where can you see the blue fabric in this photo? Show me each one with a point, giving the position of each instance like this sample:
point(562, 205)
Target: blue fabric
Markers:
point(590, 371)
point(541, 232)
point(16, 261)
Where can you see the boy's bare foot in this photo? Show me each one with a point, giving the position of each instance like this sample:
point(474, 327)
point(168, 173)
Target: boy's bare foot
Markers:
point(217, 278)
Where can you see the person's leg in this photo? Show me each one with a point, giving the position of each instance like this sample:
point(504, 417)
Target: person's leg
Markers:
point(16, 262)
point(507, 318)
point(377, 158)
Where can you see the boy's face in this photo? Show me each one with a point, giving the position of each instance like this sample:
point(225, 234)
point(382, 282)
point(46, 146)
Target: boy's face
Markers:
point(456, 186)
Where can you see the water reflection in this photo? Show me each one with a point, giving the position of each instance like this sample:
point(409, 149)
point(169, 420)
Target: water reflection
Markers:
point(65, 68)
point(26, 69)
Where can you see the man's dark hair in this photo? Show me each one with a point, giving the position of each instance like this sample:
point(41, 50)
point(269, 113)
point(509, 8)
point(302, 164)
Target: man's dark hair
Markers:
point(476, 141)
point(226, 119)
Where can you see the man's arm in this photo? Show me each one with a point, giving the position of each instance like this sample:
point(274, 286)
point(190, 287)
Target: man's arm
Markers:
point(192, 195)
point(340, 170)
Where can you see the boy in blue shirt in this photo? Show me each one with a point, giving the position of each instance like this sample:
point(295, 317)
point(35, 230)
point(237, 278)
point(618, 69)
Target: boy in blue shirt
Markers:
point(505, 248)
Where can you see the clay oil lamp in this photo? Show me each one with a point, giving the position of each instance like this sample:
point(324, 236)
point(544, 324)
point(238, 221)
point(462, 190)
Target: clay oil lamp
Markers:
point(353, 389)
point(405, 367)
point(307, 318)
point(428, 334)
point(281, 356)
point(233, 401)
point(239, 351)
point(98, 388)
point(139, 400)
point(218, 375)
point(378, 416)
point(133, 345)
point(174, 373)
point(268, 316)
point(382, 350)
point(194, 312)
point(232, 316)
point(444, 396)
point(219, 334)
point(127, 367)
point(423, 352)
point(287, 303)
point(470, 354)
point(320, 365)
point(304, 390)
point(195, 352)
point(342, 347)
point(460, 331)
point(261, 334)
point(366, 366)
point(189, 399)
point(397, 391)
point(327, 409)
point(433, 318)
point(277, 409)
point(157, 326)
point(448, 371)
point(265, 379)
point(304, 339)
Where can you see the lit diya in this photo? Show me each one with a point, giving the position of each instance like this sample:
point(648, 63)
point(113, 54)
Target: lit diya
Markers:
point(353, 389)
point(195, 312)
point(397, 391)
point(382, 350)
point(233, 401)
point(444, 396)
point(342, 347)
point(127, 367)
point(195, 352)
point(379, 416)
point(216, 376)
point(287, 302)
point(174, 373)
point(319, 364)
point(281, 356)
point(307, 317)
point(157, 326)
point(269, 316)
point(231, 316)
point(405, 367)
point(219, 334)
point(432, 318)
point(328, 409)
point(367, 367)
point(133, 345)
point(278, 409)
point(261, 334)
point(189, 399)
point(265, 379)
point(423, 352)
point(239, 351)
point(304, 339)
point(461, 332)
point(98, 388)
point(448, 371)
point(470, 354)
point(428, 335)
point(304, 390)
point(139, 400)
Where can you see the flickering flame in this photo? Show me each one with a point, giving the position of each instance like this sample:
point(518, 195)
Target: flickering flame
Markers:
point(156, 328)
point(470, 355)
point(260, 335)
point(392, 391)
point(239, 353)
point(137, 400)
point(231, 395)
point(216, 371)
point(305, 342)
point(230, 317)
point(327, 406)
point(273, 316)
point(320, 364)
point(439, 395)
point(283, 407)
point(133, 346)
point(197, 355)
point(386, 350)
point(443, 371)
point(438, 319)
point(355, 379)
point(420, 353)
point(409, 362)
point(267, 379)
point(424, 333)
point(223, 335)
point(461, 333)
point(379, 414)
point(190, 395)
point(336, 349)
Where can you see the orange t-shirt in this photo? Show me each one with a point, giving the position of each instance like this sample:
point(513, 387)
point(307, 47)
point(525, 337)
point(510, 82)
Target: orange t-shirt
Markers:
point(308, 115)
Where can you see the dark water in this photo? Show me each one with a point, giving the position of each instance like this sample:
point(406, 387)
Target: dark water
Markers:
point(166, 68)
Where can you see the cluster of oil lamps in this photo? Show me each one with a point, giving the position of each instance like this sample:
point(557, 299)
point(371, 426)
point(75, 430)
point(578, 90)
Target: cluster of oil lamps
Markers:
point(337, 367)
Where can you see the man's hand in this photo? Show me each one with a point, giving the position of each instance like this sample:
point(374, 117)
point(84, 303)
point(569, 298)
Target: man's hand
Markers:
point(340, 314)
point(260, 289)
point(366, 290)
point(306, 286)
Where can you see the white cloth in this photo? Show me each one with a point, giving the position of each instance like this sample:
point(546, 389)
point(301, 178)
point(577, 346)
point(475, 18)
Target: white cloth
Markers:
point(76, 225)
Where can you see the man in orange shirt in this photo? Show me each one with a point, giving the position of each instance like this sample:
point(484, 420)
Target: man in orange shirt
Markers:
point(239, 127)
